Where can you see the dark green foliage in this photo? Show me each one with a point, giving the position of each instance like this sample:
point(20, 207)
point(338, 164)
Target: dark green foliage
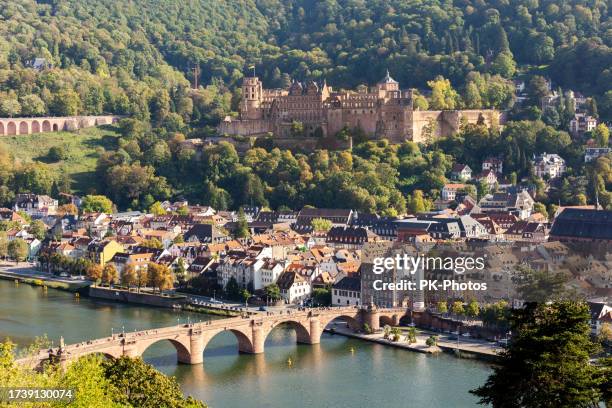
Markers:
point(547, 361)
point(140, 385)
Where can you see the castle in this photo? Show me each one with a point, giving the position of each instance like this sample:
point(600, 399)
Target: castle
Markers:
point(382, 111)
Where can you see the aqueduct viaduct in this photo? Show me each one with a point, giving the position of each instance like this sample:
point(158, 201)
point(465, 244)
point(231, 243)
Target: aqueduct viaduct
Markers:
point(190, 340)
point(27, 126)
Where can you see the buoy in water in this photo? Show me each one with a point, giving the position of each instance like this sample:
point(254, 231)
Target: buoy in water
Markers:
point(77, 295)
point(352, 350)
point(289, 362)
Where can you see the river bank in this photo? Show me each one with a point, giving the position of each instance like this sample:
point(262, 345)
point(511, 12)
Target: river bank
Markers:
point(376, 375)
point(466, 349)
point(44, 280)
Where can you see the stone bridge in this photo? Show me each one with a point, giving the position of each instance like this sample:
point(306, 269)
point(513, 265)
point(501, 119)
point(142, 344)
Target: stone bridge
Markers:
point(27, 126)
point(190, 340)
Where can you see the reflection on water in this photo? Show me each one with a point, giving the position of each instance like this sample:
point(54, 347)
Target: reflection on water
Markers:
point(323, 375)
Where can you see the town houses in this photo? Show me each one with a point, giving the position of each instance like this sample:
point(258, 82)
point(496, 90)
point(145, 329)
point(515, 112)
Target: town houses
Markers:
point(202, 249)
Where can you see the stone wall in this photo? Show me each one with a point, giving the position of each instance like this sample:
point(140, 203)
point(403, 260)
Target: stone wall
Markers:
point(28, 126)
point(149, 299)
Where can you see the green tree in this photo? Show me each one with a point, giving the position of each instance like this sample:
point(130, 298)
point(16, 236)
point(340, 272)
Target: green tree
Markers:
point(443, 96)
point(547, 361)
point(10, 107)
point(232, 290)
point(66, 102)
point(57, 153)
point(153, 243)
point(242, 227)
point(38, 229)
point(32, 105)
point(140, 385)
point(273, 292)
point(457, 308)
point(18, 250)
point(322, 296)
point(157, 209)
point(601, 134)
point(443, 307)
point(96, 203)
point(473, 308)
point(504, 65)
point(320, 224)
point(416, 203)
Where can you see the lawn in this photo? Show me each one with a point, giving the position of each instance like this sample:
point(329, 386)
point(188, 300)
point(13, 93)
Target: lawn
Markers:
point(82, 148)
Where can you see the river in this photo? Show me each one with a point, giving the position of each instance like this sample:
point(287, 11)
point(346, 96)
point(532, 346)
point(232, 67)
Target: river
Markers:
point(337, 373)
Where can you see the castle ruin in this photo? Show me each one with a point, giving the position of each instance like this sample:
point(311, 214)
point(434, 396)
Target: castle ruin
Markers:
point(382, 111)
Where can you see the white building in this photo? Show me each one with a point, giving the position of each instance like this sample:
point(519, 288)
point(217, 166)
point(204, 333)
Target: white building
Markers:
point(269, 272)
point(449, 191)
point(36, 206)
point(293, 287)
point(550, 165)
point(581, 124)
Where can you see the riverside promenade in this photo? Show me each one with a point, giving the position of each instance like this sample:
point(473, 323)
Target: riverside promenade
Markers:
point(466, 346)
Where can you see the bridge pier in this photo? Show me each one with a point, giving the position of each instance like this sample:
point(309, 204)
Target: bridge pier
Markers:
point(371, 318)
point(315, 331)
point(258, 339)
point(196, 350)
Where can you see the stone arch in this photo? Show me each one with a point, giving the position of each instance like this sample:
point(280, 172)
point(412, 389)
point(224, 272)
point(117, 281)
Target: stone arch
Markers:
point(35, 126)
point(388, 320)
point(183, 352)
point(24, 129)
point(302, 332)
point(1, 128)
point(105, 354)
point(351, 321)
point(55, 127)
point(11, 128)
point(46, 126)
point(245, 343)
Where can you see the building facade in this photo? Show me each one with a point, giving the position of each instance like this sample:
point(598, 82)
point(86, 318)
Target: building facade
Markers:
point(382, 111)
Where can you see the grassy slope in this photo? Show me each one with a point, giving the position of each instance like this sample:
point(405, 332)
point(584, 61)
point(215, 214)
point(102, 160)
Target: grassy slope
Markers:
point(82, 148)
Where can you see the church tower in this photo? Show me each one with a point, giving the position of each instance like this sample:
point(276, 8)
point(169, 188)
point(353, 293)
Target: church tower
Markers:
point(252, 95)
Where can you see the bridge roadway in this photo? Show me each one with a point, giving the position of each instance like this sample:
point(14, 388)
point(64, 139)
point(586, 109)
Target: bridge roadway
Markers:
point(190, 340)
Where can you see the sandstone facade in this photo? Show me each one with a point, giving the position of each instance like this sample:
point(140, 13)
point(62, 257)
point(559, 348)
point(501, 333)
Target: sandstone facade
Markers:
point(382, 111)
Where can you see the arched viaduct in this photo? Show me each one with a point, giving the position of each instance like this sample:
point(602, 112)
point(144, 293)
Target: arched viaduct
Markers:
point(190, 340)
point(28, 126)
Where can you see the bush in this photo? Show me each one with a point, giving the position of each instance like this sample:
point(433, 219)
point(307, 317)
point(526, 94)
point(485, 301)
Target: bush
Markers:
point(431, 341)
point(57, 153)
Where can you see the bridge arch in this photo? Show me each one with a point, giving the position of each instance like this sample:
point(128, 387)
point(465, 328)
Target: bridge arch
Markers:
point(46, 126)
point(388, 320)
point(11, 128)
point(352, 322)
point(24, 129)
point(302, 332)
point(245, 343)
point(2, 128)
point(35, 126)
point(183, 352)
point(55, 127)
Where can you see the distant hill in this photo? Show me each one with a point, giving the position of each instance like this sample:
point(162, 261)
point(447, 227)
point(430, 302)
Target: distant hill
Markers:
point(347, 41)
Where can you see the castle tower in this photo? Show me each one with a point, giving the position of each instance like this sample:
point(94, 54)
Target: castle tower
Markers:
point(387, 84)
point(252, 95)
